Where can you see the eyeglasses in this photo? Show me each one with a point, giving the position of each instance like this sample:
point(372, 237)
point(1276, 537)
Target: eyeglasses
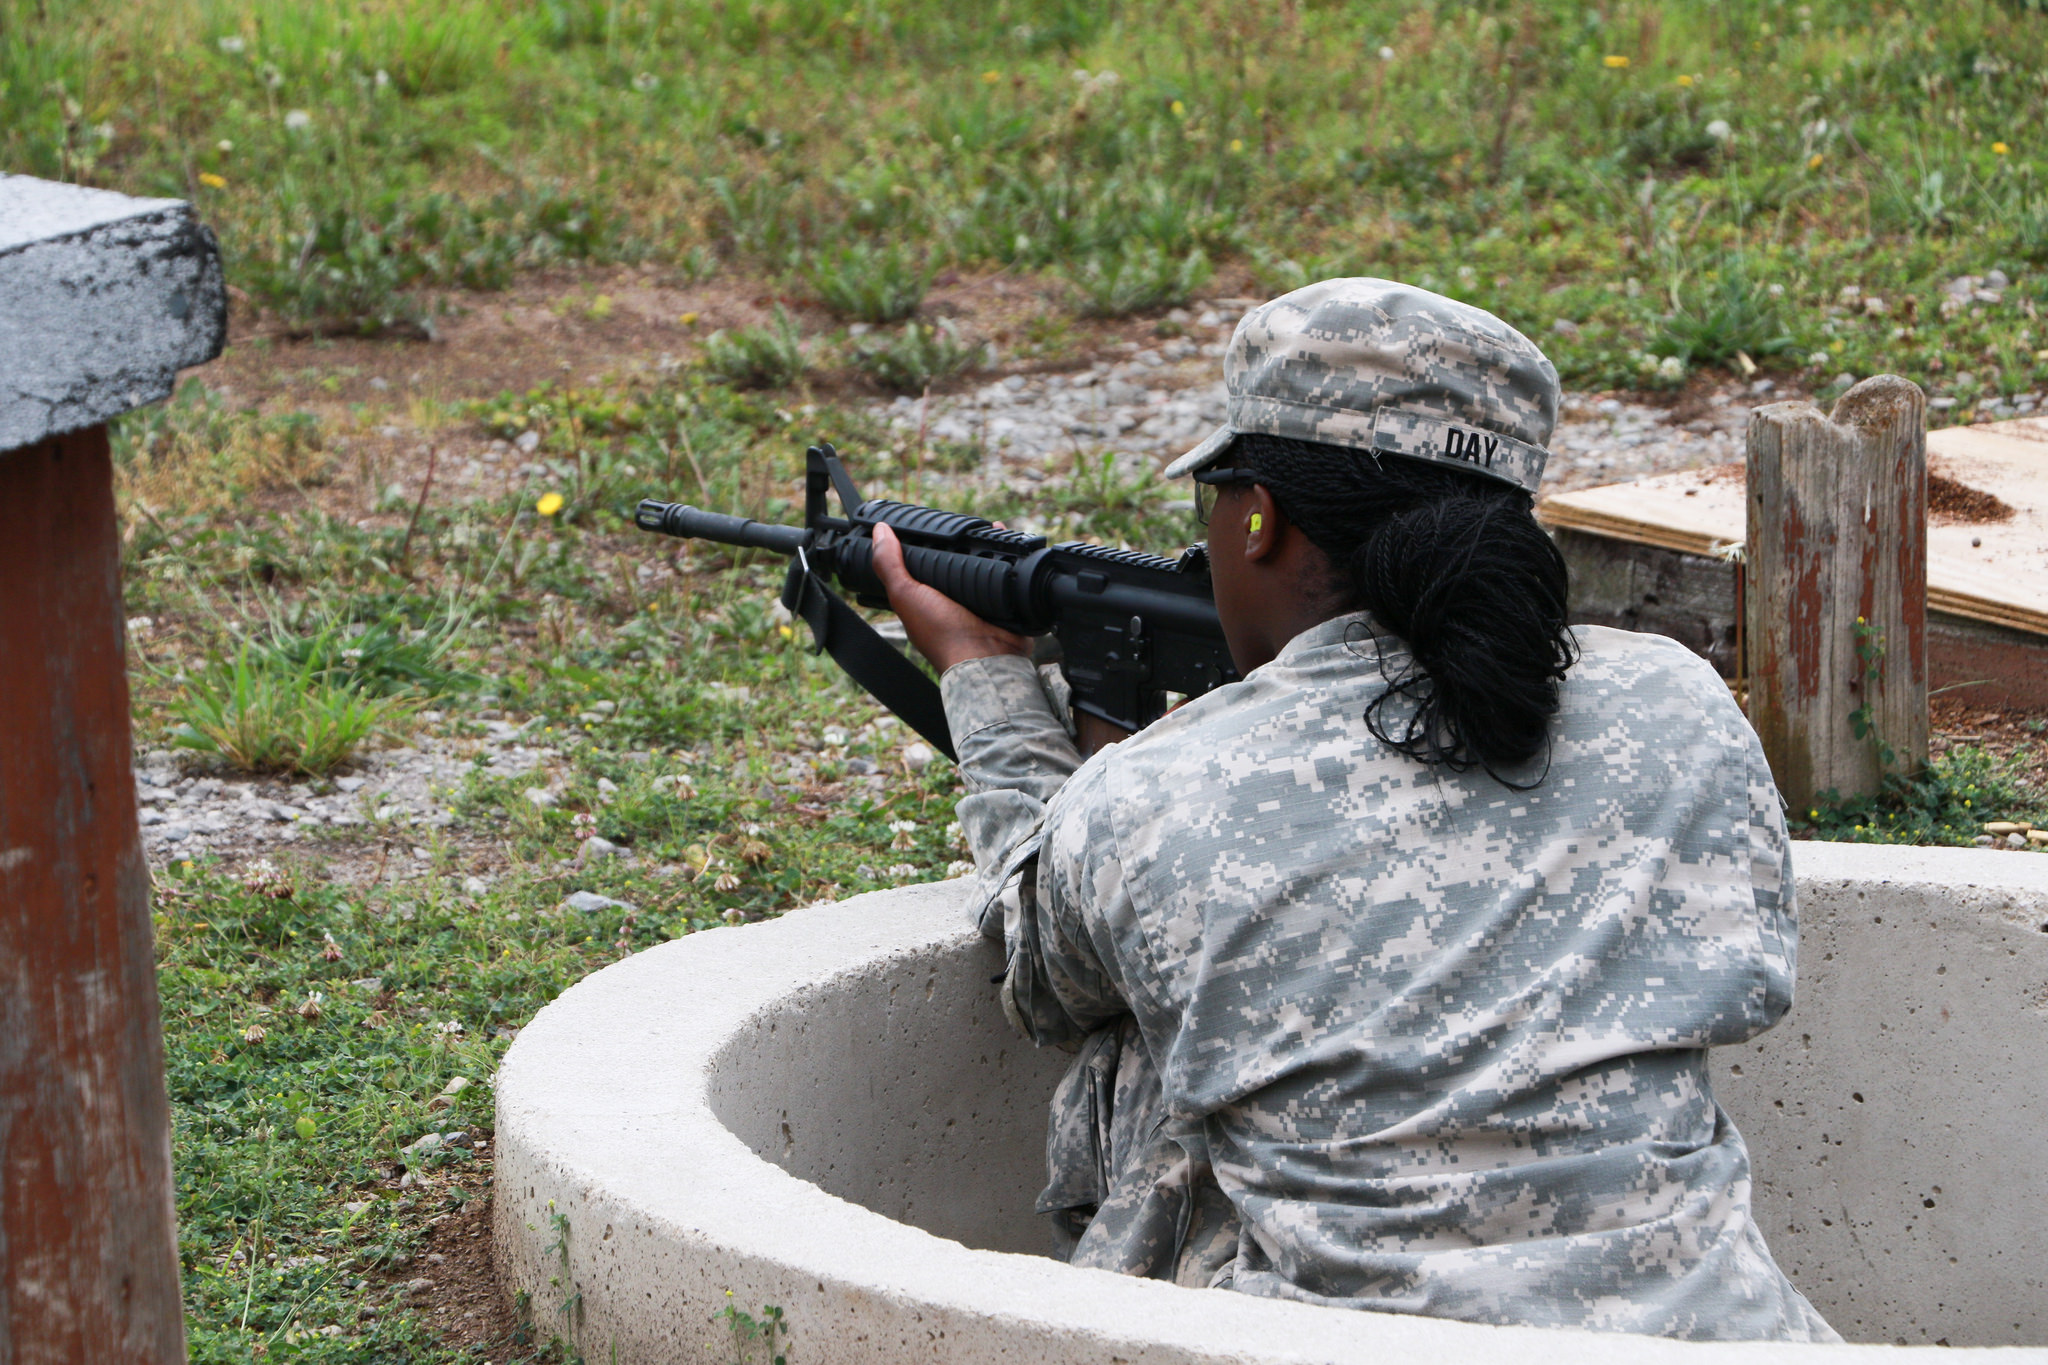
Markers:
point(1209, 483)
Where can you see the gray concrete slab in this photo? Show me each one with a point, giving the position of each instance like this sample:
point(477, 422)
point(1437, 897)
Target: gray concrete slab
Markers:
point(103, 299)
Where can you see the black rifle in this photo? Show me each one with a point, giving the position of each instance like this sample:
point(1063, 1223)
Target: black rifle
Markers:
point(1131, 627)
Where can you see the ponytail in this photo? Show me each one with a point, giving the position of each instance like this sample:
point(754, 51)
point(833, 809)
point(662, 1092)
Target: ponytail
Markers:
point(1455, 565)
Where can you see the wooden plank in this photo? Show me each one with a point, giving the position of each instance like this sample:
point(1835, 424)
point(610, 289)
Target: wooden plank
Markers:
point(1994, 572)
point(88, 1252)
point(1836, 569)
point(1691, 599)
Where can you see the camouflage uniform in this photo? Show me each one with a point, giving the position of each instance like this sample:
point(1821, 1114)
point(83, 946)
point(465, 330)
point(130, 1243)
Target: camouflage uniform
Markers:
point(1361, 1031)
point(1364, 1032)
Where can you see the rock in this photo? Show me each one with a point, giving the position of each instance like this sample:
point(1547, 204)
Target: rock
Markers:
point(541, 797)
point(419, 1286)
point(859, 767)
point(474, 886)
point(917, 757)
point(595, 850)
point(423, 1145)
point(174, 833)
point(606, 787)
point(1983, 841)
point(108, 297)
point(1565, 327)
point(589, 902)
point(2015, 841)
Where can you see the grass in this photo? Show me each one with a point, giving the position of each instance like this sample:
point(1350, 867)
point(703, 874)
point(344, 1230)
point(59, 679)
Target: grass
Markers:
point(263, 713)
point(318, 1004)
point(915, 357)
point(1548, 161)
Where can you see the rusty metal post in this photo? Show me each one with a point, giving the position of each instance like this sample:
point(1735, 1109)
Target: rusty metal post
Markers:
point(102, 299)
point(1836, 589)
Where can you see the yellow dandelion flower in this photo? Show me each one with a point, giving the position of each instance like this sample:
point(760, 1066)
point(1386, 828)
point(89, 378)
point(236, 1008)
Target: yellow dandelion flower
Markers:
point(1179, 109)
point(688, 319)
point(1813, 162)
point(1614, 62)
point(1237, 144)
point(991, 77)
point(549, 504)
point(1997, 149)
point(1685, 82)
point(220, 182)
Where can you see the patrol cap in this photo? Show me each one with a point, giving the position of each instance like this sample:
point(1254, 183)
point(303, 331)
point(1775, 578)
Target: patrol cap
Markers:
point(1391, 369)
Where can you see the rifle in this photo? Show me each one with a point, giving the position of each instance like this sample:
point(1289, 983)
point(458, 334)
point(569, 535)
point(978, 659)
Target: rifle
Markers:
point(1131, 627)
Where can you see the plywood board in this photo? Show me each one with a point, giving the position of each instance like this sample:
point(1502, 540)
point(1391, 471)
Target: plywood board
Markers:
point(1993, 571)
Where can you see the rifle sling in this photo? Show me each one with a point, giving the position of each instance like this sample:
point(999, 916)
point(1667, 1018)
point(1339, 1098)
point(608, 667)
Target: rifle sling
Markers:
point(868, 659)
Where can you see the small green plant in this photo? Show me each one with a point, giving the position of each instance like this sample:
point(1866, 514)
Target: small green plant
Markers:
point(867, 283)
point(263, 712)
point(910, 360)
point(1862, 721)
point(1719, 315)
point(1947, 804)
point(769, 357)
point(753, 1339)
point(1135, 277)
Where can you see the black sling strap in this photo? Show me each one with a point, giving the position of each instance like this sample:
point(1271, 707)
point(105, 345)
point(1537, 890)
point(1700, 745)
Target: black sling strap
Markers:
point(868, 659)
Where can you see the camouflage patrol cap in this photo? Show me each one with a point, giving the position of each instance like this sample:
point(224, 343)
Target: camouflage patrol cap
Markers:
point(1391, 369)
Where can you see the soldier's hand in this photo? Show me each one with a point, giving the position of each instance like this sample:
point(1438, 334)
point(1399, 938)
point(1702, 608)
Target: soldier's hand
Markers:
point(943, 631)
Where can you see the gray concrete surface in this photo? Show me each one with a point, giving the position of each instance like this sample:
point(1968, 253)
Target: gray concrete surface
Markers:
point(827, 1113)
point(1899, 1114)
point(103, 299)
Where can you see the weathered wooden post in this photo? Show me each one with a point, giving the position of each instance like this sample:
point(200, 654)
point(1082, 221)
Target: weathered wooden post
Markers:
point(102, 299)
point(1836, 601)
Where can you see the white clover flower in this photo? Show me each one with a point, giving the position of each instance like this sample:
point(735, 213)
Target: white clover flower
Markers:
point(1386, 54)
point(448, 1027)
point(230, 44)
point(297, 120)
point(224, 146)
point(1720, 131)
point(901, 872)
point(956, 835)
point(834, 737)
point(1818, 359)
point(957, 868)
point(1671, 367)
point(272, 77)
point(646, 81)
point(383, 78)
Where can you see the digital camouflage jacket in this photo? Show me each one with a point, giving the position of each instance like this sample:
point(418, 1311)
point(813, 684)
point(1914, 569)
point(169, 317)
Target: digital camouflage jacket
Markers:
point(1363, 1032)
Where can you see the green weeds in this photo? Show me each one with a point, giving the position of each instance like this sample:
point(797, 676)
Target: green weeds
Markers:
point(757, 357)
point(867, 283)
point(1948, 804)
point(915, 357)
point(263, 712)
point(1136, 278)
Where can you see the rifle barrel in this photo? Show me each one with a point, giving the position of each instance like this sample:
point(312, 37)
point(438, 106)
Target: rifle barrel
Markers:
point(690, 523)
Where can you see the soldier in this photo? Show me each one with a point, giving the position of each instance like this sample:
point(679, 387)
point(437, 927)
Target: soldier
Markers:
point(1392, 967)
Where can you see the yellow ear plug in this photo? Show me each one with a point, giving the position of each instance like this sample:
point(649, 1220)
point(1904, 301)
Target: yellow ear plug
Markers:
point(1257, 522)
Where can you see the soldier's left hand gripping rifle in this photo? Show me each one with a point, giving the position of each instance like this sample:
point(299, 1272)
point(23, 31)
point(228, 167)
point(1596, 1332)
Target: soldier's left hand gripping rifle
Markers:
point(1131, 627)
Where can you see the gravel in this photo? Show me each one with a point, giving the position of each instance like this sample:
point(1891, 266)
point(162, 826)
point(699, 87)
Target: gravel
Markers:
point(1157, 402)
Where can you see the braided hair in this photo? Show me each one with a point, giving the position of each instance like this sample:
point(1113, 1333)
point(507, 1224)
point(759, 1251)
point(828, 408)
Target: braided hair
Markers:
point(1455, 565)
